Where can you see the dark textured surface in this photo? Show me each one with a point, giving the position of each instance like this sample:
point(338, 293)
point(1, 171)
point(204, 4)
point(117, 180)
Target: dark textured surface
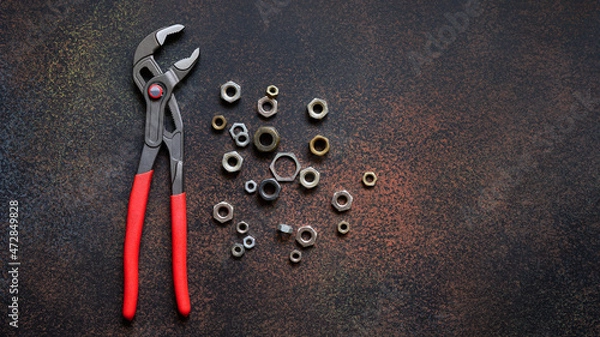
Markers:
point(484, 222)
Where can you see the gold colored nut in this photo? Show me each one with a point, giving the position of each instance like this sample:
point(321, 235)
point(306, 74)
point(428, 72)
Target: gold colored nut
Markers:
point(219, 122)
point(267, 106)
point(343, 227)
point(369, 179)
point(266, 139)
point(317, 108)
point(272, 91)
point(319, 145)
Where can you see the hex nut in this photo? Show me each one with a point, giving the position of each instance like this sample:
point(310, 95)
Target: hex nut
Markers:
point(285, 229)
point(273, 169)
point(232, 161)
point(309, 177)
point(342, 200)
point(319, 145)
point(249, 242)
point(306, 236)
point(269, 189)
point(266, 139)
point(317, 108)
point(223, 212)
point(242, 227)
point(219, 122)
point(237, 128)
point(242, 139)
point(369, 179)
point(267, 106)
point(238, 250)
point(272, 91)
point(343, 227)
point(295, 256)
point(231, 92)
point(250, 186)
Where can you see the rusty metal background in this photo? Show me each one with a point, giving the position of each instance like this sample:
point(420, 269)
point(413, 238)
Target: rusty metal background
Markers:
point(481, 119)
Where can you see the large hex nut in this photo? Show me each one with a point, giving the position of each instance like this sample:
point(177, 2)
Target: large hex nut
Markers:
point(266, 139)
point(267, 106)
point(309, 177)
point(319, 145)
point(306, 236)
point(317, 108)
point(232, 161)
point(342, 200)
point(269, 189)
point(231, 92)
point(291, 156)
point(223, 212)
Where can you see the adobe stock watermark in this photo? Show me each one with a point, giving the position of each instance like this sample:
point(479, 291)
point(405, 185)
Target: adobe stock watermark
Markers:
point(435, 45)
point(544, 141)
point(269, 8)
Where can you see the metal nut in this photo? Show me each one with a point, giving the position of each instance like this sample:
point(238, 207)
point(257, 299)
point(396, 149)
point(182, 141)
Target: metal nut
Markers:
point(285, 229)
point(242, 139)
point(306, 236)
point(249, 242)
point(219, 122)
point(266, 139)
point(231, 92)
point(223, 212)
point(237, 128)
point(242, 227)
point(343, 227)
point(317, 108)
point(267, 106)
point(272, 91)
point(238, 250)
point(342, 200)
point(369, 179)
point(269, 189)
point(232, 161)
point(319, 145)
point(309, 177)
point(295, 256)
point(291, 156)
point(250, 186)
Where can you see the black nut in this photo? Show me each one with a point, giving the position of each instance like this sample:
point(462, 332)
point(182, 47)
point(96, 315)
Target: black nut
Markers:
point(269, 189)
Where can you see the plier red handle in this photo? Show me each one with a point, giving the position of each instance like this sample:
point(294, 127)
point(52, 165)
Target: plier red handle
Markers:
point(157, 88)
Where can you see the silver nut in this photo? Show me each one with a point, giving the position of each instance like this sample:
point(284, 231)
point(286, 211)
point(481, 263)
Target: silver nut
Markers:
point(317, 108)
point(285, 229)
point(369, 179)
point(272, 91)
point(231, 92)
point(242, 139)
point(238, 250)
point(250, 186)
point(342, 200)
point(343, 227)
point(306, 236)
point(223, 212)
point(291, 156)
point(269, 189)
point(295, 256)
point(309, 177)
point(232, 161)
point(237, 128)
point(242, 227)
point(249, 242)
point(267, 106)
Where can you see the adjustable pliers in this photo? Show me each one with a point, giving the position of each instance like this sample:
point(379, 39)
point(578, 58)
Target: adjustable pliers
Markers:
point(157, 88)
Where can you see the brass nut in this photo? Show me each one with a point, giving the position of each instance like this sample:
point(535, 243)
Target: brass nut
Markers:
point(319, 145)
point(231, 92)
point(266, 139)
point(343, 227)
point(267, 106)
point(272, 91)
point(369, 179)
point(309, 177)
point(317, 108)
point(219, 122)
point(223, 212)
point(306, 236)
point(342, 200)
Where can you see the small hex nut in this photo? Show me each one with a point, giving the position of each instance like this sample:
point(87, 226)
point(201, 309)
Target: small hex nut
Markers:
point(266, 139)
point(285, 229)
point(242, 227)
point(219, 122)
point(242, 139)
point(250, 186)
point(342, 200)
point(295, 256)
point(306, 236)
point(232, 161)
point(223, 212)
point(238, 250)
point(231, 92)
point(237, 128)
point(249, 242)
point(343, 227)
point(267, 106)
point(265, 187)
point(319, 145)
point(369, 179)
point(272, 91)
point(317, 108)
point(273, 169)
point(309, 177)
